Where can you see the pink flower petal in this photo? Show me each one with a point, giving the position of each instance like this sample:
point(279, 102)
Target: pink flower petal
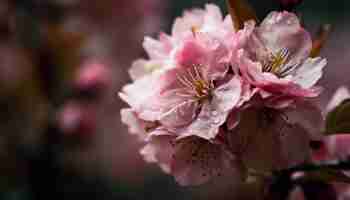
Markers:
point(309, 72)
point(196, 161)
point(214, 112)
point(283, 30)
point(135, 125)
point(154, 48)
point(308, 116)
point(265, 141)
point(206, 51)
point(159, 149)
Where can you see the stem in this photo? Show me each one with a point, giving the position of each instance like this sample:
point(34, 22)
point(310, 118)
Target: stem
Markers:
point(342, 165)
point(282, 182)
point(259, 174)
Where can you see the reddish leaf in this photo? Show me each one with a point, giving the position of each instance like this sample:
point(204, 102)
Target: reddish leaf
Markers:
point(320, 39)
point(240, 12)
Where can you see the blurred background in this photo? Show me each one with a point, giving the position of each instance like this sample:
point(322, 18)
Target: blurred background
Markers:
point(62, 63)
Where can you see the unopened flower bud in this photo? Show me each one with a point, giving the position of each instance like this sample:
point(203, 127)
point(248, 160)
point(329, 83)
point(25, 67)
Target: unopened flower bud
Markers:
point(76, 120)
point(92, 79)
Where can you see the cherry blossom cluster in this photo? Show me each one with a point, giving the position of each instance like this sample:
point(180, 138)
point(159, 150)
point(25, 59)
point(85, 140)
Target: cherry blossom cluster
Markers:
point(214, 101)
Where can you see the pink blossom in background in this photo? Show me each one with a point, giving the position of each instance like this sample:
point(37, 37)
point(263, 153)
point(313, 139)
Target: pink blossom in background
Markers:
point(110, 36)
point(113, 30)
point(334, 147)
point(76, 119)
point(93, 75)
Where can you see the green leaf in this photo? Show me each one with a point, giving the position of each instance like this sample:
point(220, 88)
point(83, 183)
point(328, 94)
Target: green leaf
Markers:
point(338, 120)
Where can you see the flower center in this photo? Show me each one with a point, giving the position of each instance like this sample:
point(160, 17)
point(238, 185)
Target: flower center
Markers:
point(194, 30)
point(195, 84)
point(278, 63)
point(152, 67)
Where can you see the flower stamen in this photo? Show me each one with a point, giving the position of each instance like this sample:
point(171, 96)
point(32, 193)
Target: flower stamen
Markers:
point(277, 63)
point(195, 83)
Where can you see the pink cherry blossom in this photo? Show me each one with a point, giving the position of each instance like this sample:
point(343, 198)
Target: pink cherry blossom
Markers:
point(182, 94)
point(211, 100)
point(267, 139)
point(162, 51)
point(192, 160)
point(275, 58)
point(187, 99)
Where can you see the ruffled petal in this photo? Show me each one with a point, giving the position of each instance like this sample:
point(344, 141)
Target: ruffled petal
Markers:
point(309, 72)
point(180, 114)
point(251, 71)
point(192, 52)
point(213, 20)
point(213, 15)
point(308, 116)
point(265, 141)
point(142, 67)
point(214, 113)
point(197, 160)
point(136, 126)
point(155, 48)
point(209, 21)
point(281, 30)
point(183, 25)
point(138, 69)
point(206, 51)
point(159, 149)
point(227, 95)
point(252, 43)
point(137, 93)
